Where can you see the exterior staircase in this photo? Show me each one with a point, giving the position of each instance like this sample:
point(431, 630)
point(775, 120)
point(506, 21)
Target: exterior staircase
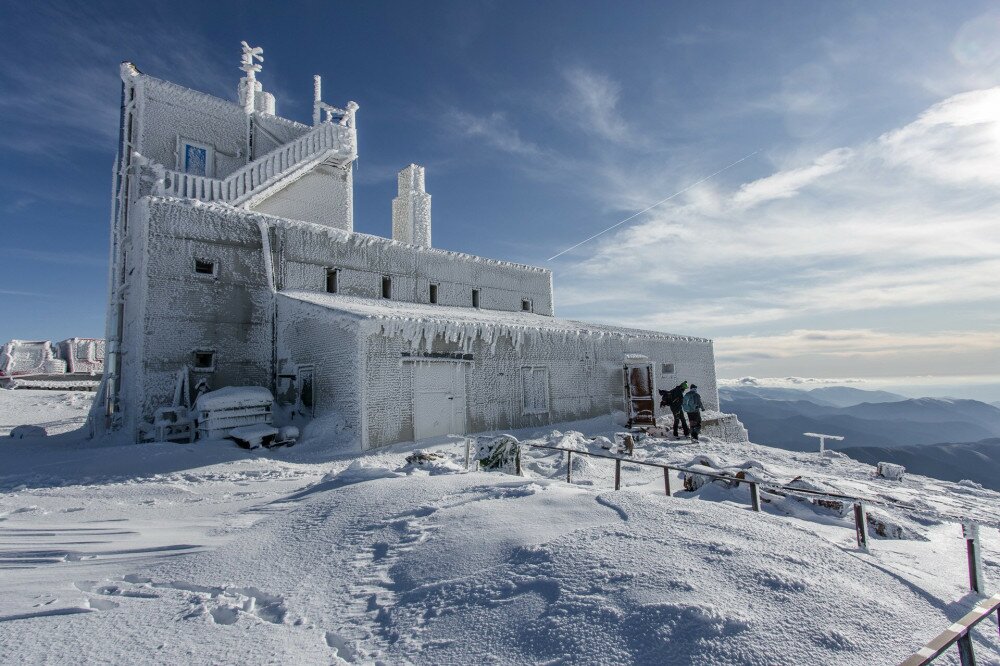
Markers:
point(261, 178)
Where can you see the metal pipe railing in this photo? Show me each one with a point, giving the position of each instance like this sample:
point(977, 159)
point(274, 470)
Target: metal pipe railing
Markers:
point(957, 633)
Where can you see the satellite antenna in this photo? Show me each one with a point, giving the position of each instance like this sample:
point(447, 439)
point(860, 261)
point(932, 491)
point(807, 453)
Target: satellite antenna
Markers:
point(822, 439)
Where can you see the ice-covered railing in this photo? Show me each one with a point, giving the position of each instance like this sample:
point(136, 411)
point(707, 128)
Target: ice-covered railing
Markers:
point(263, 172)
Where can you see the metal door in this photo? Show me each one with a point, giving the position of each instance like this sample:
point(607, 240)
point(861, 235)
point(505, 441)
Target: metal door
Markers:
point(438, 399)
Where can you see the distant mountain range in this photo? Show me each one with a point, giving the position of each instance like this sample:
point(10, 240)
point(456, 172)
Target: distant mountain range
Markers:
point(975, 461)
point(830, 396)
point(945, 438)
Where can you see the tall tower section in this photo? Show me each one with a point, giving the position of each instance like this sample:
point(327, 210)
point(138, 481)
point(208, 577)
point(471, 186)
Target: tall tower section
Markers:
point(411, 209)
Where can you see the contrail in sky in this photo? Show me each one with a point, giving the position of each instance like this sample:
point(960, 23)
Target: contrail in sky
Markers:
point(645, 210)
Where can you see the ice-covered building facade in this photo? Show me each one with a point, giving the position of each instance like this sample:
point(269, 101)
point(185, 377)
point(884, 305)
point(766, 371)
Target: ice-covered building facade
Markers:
point(234, 261)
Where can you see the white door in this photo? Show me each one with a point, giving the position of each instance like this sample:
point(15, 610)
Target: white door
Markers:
point(438, 399)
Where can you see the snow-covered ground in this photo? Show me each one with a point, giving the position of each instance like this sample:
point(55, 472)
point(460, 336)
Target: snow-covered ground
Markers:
point(207, 553)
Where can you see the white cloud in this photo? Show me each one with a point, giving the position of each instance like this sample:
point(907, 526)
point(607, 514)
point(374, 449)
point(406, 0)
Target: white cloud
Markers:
point(592, 102)
point(854, 231)
point(495, 130)
point(956, 141)
point(786, 184)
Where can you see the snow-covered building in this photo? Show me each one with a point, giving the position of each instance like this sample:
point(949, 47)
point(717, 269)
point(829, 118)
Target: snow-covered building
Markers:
point(70, 363)
point(235, 261)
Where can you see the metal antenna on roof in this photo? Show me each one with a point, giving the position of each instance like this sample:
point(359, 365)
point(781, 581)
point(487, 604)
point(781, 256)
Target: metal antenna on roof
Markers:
point(646, 210)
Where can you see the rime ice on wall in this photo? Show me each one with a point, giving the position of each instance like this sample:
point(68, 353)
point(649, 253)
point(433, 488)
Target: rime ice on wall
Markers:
point(411, 209)
point(581, 363)
point(322, 196)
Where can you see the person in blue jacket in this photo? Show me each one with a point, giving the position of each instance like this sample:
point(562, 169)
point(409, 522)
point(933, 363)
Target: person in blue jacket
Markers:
point(692, 407)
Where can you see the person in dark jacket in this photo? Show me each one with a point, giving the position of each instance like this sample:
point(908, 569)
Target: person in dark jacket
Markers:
point(673, 399)
point(691, 404)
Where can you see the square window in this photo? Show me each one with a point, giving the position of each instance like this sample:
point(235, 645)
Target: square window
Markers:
point(204, 361)
point(204, 266)
point(386, 286)
point(332, 277)
point(195, 158)
point(434, 293)
point(475, 298)
point(666, 368)
point(526, 305)
point(535, 390)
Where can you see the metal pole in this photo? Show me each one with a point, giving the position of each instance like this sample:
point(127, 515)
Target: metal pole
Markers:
point(861, 525)
point(569, 467)
point(468, 453)
point(618, 473)
point(754, 496)
point(666, 480)
point(971, 533)
point(966, 655)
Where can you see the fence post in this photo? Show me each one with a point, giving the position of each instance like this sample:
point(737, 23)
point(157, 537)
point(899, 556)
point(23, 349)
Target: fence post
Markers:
point(666, 480)
point(468, 453)
point(861, 525)
point(754, 496)
point(618, 473)
point(966, 655)
point(569, 467)
point(971, 533)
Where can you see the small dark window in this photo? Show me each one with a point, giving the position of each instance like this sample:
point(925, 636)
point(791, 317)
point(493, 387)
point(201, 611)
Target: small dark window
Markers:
point(386, 286)
point(434, 293)
point(204, 360)
point(526, 304)
point(667, 368)
point(204, 267)
point(475, 298)
point(331, 280)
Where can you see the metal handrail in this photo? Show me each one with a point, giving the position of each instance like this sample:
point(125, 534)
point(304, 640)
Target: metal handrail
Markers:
point(956, 633)
point(262, 172)
point(727, 477)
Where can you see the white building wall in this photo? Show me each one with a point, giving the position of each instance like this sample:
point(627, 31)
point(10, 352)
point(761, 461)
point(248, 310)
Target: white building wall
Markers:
point(307, 252)
point(584, 372)
point(307, 335)
point(323, 196)
point(168, 112)
point(171, 311)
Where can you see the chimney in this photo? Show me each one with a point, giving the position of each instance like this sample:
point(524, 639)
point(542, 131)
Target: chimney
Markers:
point(411, 209)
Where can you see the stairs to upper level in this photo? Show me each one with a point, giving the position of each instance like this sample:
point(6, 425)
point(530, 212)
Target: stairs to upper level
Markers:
point(275, 170)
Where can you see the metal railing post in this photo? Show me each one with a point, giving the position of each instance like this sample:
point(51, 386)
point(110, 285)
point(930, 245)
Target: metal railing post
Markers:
point(861, 525)
point(666, 480)
point(966, 655)
point(618, 473)
point(971, 533)
point(569, 467)
point(754, 496)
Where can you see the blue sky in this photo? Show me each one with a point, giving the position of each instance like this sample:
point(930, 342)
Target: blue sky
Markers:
point(860, 239)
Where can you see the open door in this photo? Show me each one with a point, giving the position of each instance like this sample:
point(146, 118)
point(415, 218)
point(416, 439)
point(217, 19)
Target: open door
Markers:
point(639, 403)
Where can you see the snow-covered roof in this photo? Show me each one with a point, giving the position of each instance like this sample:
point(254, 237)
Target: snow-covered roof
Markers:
point(398, 314)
